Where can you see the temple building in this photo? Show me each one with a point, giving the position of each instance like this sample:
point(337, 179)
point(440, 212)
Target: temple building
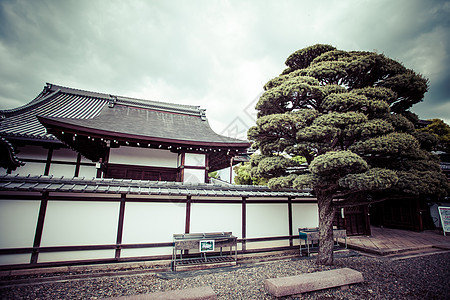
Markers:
point(74, 133)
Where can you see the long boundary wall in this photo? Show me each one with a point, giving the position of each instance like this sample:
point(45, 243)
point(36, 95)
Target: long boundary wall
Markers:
point(52, 228)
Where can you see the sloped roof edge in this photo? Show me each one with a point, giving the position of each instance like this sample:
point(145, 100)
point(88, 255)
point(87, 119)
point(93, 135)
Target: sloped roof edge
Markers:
point(141, 187)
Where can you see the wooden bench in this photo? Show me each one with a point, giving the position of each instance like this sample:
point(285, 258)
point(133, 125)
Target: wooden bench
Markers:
point(308, 282)
point(199, 293)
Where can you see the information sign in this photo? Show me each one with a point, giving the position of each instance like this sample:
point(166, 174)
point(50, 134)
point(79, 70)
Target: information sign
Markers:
point(207, 246)
point(444, 213)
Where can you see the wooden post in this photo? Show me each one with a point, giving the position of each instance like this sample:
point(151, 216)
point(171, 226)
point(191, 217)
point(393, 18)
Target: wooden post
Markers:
point(77, 167)
point(39, 228)
point(291, 242)
point(244, 223)
point(48, 162)
point(120, 226)
point(187, 226)
point(231, 170)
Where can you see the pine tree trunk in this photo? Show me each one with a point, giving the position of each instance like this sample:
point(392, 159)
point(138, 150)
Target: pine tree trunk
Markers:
point(326, 216)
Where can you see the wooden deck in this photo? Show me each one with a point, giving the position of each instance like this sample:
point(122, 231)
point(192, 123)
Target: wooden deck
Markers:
point(385, 241)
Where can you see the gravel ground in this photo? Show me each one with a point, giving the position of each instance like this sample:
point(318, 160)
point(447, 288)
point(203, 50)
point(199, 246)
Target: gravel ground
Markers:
point(425, 277)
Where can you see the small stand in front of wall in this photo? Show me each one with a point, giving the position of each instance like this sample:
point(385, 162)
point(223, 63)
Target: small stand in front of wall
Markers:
point(444, 213)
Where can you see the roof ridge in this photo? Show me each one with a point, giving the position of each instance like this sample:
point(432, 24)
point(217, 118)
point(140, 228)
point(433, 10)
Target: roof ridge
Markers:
point(130, 101)
point(74, 91)
point(157, 105)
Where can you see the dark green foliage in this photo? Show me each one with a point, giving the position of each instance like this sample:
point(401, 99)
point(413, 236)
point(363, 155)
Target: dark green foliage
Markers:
point(440, 130)
point(303, 58)
point(336, 164)
point(244, 176)
point(347, 114)
point(339, 109)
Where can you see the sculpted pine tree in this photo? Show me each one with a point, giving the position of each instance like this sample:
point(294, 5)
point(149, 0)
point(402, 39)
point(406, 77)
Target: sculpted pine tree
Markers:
point(347, 114)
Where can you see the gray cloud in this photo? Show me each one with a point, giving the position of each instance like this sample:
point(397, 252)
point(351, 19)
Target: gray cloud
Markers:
point(216, 54)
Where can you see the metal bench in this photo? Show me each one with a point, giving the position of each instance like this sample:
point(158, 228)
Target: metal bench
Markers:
point(311, 236)
point(209, 246)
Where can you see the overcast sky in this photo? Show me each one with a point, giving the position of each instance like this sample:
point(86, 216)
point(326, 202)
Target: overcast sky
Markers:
point(214, 54)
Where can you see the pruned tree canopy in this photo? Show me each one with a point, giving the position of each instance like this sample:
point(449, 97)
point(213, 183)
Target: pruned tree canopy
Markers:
point(347, 113)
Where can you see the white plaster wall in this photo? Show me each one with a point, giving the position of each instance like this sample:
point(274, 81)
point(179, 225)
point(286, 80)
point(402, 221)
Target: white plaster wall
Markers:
point(32, 152)
point(30, 168)
point(267, 220)
point(266, 244)
point(194, 175)
point(146, 252)
point(216, 218)
point(18, 219)
point(75, 255)
point(304, 215)
point(87, 172)
point(64, 154)
point(194, 159)
point(13, 259)
point(94, 223)
point(151, 223)
point(80, 223)
point(59, 170)
point(143, 157)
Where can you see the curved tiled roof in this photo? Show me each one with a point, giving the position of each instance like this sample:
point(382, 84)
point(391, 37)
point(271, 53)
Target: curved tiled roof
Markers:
point(121, 121)
point(111, 115)
point(52, 102)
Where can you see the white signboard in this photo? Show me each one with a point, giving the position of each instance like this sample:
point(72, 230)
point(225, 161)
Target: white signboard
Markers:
point(444, 213)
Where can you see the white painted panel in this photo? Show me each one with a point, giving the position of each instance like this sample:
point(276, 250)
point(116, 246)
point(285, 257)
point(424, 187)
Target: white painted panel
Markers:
point(152, 222)
point(146, 252)
point(58, 170)
point(194, 159)
point(80, 223)
point(267, 220)
point(32, 152)
point(64, 154)
point(87, 172)
point(216, 218)
point(304, 215)
point(143, 157)
point(194, 175)
point(30, 168)
point(18, 220)
point(267, 244)
point(13, 259)
point(75, 255)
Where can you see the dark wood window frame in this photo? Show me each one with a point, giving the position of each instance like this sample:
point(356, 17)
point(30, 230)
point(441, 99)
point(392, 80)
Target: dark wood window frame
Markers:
point(121, 171)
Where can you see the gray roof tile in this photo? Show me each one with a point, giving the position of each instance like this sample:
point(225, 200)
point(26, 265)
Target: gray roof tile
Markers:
point(138, 187)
